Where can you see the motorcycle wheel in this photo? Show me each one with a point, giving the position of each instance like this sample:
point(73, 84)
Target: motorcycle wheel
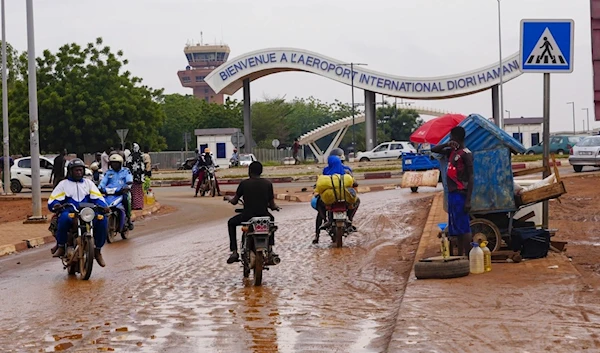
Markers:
point(213, 188)
point(112, 228)
point(339, 234)
point(86, 259)
point(258, 268)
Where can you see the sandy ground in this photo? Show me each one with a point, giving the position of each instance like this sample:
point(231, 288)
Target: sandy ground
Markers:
point(577, 218)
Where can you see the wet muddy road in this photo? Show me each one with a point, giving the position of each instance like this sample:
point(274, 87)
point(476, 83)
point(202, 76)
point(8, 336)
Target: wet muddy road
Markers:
point(171, 291)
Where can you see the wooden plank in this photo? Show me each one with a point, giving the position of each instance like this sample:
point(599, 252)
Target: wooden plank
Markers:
point(544, 193)
point(529, 171)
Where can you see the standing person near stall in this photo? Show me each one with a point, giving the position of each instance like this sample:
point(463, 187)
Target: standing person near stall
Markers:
point(137, 168)
point(460, 187)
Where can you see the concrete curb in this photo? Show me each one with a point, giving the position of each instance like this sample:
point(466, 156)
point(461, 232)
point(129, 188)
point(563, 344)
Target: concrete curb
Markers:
point(36, 242)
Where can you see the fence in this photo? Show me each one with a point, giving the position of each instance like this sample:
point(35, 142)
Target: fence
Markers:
point(173, 159)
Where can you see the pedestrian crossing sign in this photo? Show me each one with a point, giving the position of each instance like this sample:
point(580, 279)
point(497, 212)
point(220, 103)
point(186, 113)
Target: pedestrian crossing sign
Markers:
point(547, 46)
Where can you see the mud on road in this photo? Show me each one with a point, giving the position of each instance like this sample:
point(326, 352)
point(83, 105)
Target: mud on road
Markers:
point(174, 292)
point(577, 218)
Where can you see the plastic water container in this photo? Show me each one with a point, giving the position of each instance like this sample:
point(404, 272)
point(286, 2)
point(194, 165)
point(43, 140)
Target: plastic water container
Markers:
point(476, 259)
point(445, 243)
point(149, 198)
point(487, 256)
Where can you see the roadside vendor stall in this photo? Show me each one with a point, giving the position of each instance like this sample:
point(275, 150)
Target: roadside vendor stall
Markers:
point(496, 198)
point(421, 168)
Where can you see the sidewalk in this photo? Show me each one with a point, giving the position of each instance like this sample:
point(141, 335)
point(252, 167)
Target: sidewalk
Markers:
point(17, 236)
point(518, 307)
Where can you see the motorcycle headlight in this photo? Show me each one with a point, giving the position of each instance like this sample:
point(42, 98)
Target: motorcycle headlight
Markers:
point(87, 215)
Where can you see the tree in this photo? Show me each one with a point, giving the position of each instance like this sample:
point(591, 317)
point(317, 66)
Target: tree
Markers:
point(187, 113)
point(398, 124)
point(84, 96)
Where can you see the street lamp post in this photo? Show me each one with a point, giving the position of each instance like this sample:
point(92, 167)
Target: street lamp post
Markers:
point(6, 167)
point(587, 110)
point(352, 85)
point(500, 67)
point(36, 192)
point(508, 111)
point(573, 104)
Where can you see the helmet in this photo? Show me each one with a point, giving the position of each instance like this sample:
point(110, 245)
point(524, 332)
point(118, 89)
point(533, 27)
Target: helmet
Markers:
point(207, 150)
point(115, 158)
point(338, 152)
point(94, 166)
point(74, 163)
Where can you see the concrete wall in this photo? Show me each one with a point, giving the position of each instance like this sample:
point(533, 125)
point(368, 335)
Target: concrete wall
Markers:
point(526, 130)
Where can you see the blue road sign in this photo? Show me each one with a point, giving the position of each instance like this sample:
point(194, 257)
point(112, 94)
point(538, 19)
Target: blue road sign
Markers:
point(547, 46)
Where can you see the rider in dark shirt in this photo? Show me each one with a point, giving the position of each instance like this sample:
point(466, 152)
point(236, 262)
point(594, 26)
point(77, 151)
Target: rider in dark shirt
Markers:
point(258, 199)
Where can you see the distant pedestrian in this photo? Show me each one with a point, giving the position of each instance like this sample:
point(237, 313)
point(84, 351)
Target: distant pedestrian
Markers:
point(137, 169)
point(295, 149)
point(58, 168)
point(104, 159)
point(147, 161)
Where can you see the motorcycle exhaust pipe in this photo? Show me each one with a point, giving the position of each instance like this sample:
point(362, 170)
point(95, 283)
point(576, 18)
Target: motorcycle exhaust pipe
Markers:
point(276, 260)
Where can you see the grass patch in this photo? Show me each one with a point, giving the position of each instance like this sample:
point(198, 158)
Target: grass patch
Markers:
point(376, 169)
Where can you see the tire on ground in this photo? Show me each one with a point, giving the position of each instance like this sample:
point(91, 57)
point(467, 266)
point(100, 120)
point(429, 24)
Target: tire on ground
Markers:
point(450, 269)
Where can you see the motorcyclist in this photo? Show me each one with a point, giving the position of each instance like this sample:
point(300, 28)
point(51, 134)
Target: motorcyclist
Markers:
point(196, 167)
point(119, 178)
point(75, 190)
point(335, 165)
point(206, 162)
point(258, 197)
point(235, 158)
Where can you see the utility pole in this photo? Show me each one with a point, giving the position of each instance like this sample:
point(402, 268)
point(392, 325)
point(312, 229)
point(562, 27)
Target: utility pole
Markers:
point(352, 85)
point(36, 191)
point(5, 139)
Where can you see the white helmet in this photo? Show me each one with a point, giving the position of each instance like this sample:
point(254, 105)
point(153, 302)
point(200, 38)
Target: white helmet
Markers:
point(115, 157)
point(94, 166)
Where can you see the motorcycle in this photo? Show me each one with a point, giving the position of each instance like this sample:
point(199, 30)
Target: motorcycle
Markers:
point(79, 255)
point(337, 225)
point(117, 215)
point(256, 252)
point(209, 184)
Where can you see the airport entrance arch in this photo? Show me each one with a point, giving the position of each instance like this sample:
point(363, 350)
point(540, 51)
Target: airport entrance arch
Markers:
point(237, 74)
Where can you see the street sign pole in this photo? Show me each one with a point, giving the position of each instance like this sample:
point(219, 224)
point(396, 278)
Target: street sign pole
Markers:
point(547, 47)
point(546, 143)
point(122, 135)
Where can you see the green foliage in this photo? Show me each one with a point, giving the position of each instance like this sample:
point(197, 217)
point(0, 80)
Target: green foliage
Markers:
point(84, 95)
point(187, 113)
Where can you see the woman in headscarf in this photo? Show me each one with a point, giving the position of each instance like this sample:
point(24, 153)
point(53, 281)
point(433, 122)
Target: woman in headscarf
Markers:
point(137, 168)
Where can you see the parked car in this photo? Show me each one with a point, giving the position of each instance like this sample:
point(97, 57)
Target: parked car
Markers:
point(246, 159)
point(558, 144)
point(20, 173)
point(585, 153)
point(387, 150)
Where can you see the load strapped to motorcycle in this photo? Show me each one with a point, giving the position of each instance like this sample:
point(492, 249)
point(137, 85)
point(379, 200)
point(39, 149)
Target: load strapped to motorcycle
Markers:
point(339, 196)
point(334, 188)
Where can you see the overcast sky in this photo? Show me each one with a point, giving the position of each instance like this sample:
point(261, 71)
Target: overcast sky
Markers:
point(416, 38)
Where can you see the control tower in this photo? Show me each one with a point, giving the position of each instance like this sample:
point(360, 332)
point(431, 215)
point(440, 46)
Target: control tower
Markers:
point(202, 59)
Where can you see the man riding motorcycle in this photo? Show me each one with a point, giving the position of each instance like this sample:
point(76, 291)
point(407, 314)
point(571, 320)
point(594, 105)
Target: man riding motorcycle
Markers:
point(235, 158)
point(205, 161)
point(119, 178)
point(258, 197)
point(75, 190)
point(335, 166)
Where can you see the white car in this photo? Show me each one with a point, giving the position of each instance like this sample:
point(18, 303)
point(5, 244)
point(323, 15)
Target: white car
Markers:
point(585, 153)
point(20, 173)
point(386, 150)
point(246, 159)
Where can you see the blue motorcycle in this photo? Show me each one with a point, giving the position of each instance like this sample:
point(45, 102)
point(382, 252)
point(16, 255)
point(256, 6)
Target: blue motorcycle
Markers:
point(117, 218)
